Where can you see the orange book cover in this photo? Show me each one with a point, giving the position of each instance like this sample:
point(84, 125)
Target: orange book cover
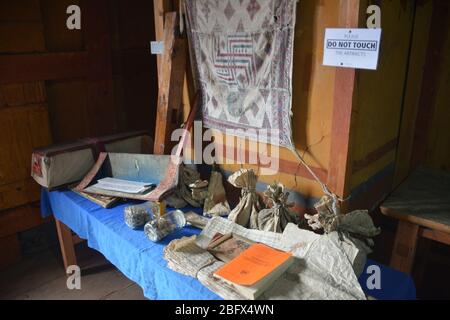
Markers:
point(253, 265)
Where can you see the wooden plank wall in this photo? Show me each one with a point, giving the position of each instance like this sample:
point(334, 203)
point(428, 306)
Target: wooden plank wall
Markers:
point(403, 124)
point(424, 135)
point(23, 106)
point(134, 68)
point(23, 121)
point(58, 85)
point(313, 103)
point(314, 100)
point(384, 106)
point(377, 107)
point(80, 97)
point(414, 83)
point(435, 93)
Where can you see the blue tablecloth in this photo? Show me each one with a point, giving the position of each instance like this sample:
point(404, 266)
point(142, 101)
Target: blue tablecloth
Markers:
point(142, 260)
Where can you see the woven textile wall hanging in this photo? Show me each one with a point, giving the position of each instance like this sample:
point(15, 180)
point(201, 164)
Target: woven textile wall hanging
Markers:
point(242, 53)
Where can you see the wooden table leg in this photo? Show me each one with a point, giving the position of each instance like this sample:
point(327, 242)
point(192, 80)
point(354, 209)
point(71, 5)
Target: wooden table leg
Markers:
point(66, 243)
point(405, 246)
point(423, 250)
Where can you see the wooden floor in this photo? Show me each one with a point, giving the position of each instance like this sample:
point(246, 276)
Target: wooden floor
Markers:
point(41, 277)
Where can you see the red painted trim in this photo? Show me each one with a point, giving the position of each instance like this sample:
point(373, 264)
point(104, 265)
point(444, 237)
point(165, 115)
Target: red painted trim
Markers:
point(92, 173)
point(374, 156)
point(285, 166)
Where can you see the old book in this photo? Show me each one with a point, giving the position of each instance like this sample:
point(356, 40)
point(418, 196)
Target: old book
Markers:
point(229, 246)
point(255, 270)
point(308, 277)
point(103, 201)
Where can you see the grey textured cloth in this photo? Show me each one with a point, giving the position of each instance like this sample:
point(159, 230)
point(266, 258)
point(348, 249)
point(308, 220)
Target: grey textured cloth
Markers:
point(242, 56)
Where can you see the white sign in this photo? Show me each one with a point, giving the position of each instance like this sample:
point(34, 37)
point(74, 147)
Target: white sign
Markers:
point(157, 47)
point(352, 48)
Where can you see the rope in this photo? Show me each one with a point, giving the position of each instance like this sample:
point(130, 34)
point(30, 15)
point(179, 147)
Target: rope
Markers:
point(324, 187)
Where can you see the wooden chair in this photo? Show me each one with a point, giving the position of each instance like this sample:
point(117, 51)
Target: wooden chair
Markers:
point(422, 206)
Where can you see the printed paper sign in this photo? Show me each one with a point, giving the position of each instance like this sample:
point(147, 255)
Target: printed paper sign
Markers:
point(157, 47)
point(352, 48)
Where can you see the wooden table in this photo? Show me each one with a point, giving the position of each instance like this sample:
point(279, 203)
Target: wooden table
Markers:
point(422, 206)
point(142, 260)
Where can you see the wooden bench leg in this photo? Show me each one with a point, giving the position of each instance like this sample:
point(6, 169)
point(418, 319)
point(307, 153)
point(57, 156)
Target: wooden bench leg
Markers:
point(423, 250)
point(405, 246)
point(66, 243)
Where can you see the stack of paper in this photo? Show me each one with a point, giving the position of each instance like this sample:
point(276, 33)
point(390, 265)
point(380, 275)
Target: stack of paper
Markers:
point(322, 267)
point(125, 186)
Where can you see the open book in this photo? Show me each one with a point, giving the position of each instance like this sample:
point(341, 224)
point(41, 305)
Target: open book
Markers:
point(120, 185)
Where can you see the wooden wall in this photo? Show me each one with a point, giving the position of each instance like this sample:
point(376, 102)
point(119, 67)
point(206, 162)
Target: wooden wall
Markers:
point(377, 107)
point(313, 101)
point(312, 106)
point(23, 106)
point(435, 93)
point(414, 83)
point(24, 124)
point(424, 137)
point(357, 128)
point(438, 151)
point(59, 85)
point(401, 111)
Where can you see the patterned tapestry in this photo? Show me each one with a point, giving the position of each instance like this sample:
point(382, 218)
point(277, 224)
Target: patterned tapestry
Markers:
point(242, 53)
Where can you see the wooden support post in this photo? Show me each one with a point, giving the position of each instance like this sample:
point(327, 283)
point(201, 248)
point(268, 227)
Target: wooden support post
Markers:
point(160, 7)
point(171, 85)
point(340, 161)
point(188, 125)
point(66, 243)
point(405, 246)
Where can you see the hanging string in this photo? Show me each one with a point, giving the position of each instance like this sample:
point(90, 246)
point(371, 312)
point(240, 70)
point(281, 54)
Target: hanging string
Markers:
point(324, 187)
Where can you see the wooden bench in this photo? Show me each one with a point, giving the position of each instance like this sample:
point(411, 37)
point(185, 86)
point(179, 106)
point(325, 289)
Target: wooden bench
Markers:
point(422, 206)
